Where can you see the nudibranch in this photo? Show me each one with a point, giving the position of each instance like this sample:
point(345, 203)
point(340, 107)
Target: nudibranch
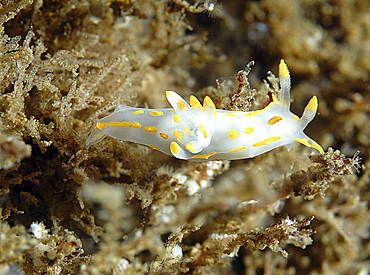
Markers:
point(202, 132)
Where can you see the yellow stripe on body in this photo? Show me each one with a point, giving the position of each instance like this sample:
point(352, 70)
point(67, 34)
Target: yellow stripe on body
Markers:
point(154, 147)
point(102, 125)
point(205, 156)
point(266, 141)
point(237, 149)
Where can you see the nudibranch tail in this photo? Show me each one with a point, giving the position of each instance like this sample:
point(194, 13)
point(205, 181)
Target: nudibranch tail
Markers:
point(95, 136)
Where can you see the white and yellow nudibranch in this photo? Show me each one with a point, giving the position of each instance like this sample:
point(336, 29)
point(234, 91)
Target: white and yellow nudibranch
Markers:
point(202, 132)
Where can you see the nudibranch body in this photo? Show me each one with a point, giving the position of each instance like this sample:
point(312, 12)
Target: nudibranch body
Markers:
point(202, 132)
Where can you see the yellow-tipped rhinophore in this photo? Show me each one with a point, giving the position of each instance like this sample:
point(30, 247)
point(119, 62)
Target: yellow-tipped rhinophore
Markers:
point(283, 69)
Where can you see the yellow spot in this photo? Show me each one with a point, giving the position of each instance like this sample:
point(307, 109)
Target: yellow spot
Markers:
point(102, 125)
point(233, 134)
point(194, 102)
point(274, 120)
point(174, 147)
point(163, 135)
point(186, 130)
point(283, 69)
point(156, 113)
point(312, 104)
point(205, 156)
point(203, 130)
point(296, 117)
point(176, 118)
point(248, 130)
point(190, 147)
point(266, 141)
point(154, 147)
point(181, 105)
point(230, 114)
point(125, 124)
point(317, 147)
point(303, 141)
point(137, 112)
point(178, 135)
point(237, 149)
point(150, 129)
point(172, 111)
